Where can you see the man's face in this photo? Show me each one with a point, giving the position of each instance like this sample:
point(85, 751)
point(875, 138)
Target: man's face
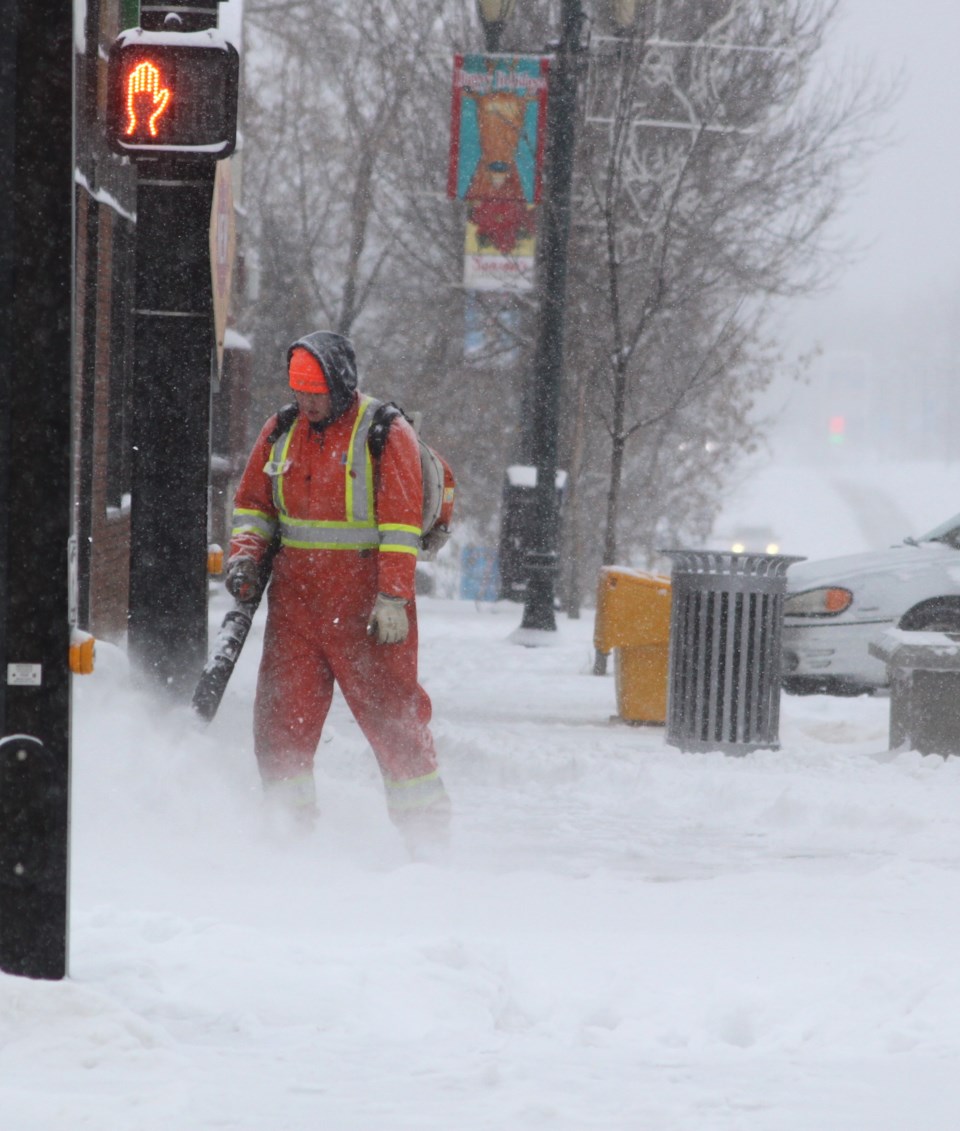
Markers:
point(314, 406)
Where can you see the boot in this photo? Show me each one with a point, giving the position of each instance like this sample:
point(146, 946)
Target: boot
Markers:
point(291, 804)
point(421, 811)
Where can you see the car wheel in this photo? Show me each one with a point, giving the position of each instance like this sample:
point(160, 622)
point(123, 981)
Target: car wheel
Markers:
point(823, 685)
point(934, 617)
point(800, 685)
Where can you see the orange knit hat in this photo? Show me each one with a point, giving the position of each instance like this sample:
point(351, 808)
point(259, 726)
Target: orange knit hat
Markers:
point(306, 373)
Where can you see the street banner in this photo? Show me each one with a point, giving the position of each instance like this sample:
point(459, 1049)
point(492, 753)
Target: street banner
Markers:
point(500, 247)
point(497, 127)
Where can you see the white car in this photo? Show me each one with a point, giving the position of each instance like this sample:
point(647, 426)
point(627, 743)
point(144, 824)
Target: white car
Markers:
point(754, 540)
point(835, 608)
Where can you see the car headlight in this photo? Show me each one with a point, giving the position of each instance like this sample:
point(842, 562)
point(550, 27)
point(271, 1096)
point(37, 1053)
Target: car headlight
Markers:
point(826, 602)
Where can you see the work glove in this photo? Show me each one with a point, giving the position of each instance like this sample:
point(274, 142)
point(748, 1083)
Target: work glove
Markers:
point(243, 579)
point(388, 622)
point(433, 542)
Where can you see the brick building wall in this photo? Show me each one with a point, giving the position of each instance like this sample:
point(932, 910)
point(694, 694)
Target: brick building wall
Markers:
point(101, 484)
point(110, 500)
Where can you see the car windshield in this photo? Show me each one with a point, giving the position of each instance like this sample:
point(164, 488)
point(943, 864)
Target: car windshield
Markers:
point(947, 532)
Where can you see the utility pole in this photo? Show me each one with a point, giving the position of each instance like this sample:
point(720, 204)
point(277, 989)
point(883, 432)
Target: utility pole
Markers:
point(36, 304)
point(543, 552)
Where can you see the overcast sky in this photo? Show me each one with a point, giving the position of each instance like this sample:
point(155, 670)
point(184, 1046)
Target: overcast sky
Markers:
point(906, 209)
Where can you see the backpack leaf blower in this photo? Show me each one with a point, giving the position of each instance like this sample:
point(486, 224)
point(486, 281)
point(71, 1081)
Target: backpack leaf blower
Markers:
point(228, 646)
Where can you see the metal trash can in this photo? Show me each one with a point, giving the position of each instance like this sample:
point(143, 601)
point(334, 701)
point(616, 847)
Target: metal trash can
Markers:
point(517, 522)
point(633, 622)
point(924, 669)
point(725, 630)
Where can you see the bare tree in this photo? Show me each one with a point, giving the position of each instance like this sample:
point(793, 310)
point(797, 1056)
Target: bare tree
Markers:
point(328, 87)
point(710, 167)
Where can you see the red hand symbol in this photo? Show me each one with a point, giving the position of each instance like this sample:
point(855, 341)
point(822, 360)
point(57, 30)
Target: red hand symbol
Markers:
point(143, 87)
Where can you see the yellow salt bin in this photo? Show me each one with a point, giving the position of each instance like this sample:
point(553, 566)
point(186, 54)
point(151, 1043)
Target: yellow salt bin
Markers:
point(214, 560)
point(633, 622)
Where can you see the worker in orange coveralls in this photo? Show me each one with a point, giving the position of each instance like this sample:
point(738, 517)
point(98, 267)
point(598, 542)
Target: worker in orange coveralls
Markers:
point(341, 604)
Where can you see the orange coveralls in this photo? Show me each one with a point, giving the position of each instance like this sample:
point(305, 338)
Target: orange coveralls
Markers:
point(314, 483)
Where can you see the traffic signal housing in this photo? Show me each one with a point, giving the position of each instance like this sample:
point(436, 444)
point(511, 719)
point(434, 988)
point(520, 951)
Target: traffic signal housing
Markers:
point(173, 93)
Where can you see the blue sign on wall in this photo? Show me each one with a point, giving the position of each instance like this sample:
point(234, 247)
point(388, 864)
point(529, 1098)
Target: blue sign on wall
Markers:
point(479, 574)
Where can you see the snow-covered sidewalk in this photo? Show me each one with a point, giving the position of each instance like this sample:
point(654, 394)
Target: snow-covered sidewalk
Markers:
point(624, 937)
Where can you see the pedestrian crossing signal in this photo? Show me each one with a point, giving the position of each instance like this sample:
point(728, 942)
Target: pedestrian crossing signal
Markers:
point(173, 92)
point(146, 99)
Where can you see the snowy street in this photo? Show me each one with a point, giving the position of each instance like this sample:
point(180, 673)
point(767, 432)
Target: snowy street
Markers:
point(655, 277)
point(623, 936)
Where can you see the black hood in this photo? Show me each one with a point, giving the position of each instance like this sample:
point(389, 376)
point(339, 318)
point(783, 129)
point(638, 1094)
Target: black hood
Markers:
point(339, 362)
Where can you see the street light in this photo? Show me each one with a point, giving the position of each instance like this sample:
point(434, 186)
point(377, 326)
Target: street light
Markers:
point(494, 15)
point(625, 14)
point(542, 556)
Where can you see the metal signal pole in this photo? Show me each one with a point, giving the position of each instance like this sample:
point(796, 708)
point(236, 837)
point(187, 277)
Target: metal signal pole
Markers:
point(173, 328)
point(171, 423)
point(36, 305)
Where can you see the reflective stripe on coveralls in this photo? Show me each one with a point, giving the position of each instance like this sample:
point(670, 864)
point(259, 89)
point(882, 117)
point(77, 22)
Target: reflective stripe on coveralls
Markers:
point(359, 530)
point(247, 521)
point(415, 794)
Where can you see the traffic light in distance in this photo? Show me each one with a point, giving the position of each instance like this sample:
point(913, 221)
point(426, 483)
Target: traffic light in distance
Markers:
point(172, 92)
point(838, 428)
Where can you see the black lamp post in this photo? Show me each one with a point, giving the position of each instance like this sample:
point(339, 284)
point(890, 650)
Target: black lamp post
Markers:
point(494, 15)
point(543, 547)
point(542, 556)
point(625, 13)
